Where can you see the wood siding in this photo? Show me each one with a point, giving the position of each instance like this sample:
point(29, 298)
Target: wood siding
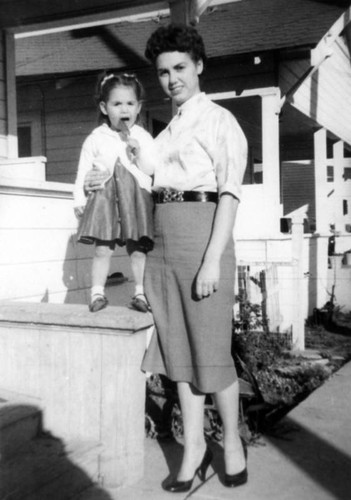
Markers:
point(66, 115)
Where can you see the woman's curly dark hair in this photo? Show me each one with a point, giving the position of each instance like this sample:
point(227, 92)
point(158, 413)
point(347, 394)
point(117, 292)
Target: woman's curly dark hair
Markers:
point(175, 38)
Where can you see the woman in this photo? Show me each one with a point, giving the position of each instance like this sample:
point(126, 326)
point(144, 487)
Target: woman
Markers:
point(189, 276)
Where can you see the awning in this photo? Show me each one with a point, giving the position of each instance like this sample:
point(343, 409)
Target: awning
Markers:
point(323, 92)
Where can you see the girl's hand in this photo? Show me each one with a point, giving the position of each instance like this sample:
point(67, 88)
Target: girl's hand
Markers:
point(207, 279)
point(79, 211)
point(94, 180)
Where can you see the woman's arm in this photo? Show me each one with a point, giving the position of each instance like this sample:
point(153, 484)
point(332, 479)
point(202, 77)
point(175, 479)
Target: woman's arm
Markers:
point(207, 280)
point(143, 150)
point(229, 147)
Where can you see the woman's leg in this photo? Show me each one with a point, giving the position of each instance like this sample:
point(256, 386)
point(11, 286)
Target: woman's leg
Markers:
point(227, 402)
point(192, 407)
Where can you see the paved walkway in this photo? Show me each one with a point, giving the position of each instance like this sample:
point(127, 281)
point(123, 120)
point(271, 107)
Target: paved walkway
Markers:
point(308, 459)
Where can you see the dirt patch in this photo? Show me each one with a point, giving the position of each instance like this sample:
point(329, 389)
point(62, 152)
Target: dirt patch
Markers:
point(282, 378)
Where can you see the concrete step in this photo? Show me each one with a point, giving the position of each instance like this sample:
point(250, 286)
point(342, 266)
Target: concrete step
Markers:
point(35, 465)
point(48, 470)
point(20, 422)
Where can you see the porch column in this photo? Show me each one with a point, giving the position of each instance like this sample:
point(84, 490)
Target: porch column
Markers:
point(10, 96)
point(323, 218)
point(298, 319)
point(338, 154)
point(320, 180)
point(3, 117)
point(270, 160)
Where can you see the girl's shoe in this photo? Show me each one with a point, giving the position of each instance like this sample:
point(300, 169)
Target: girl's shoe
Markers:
point(97, 303)
point(182, 486)
point(140, 303)
point(233, 480)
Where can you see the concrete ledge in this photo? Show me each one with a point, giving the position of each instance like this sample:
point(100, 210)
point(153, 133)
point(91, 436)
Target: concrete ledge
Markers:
point(120, 320)
point(84, 370)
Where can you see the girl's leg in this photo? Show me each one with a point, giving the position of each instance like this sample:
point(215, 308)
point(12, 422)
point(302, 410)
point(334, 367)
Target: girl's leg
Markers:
point(227, 402)
point(137, 256)
point(101, 266)
point(137, 261)
point(192, 407)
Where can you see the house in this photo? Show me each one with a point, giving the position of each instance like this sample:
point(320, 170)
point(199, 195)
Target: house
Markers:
point(283, 68)
point(273, 63)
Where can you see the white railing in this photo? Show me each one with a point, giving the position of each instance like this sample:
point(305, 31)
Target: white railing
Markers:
point(40, 259)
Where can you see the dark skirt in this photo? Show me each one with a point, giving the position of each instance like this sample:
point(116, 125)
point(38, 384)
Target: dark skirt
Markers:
point(121, 211)
point(193, 340)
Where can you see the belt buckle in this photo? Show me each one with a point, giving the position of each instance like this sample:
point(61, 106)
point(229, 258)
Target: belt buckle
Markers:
point(170, 195)
point(202, 196)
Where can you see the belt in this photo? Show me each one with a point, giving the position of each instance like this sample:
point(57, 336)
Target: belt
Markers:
point(170, 195)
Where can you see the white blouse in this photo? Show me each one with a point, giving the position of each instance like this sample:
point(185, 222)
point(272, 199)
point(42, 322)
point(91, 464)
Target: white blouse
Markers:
point(100, 151)
point(202, 149)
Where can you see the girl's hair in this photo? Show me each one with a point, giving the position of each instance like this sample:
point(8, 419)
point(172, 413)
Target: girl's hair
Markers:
point(109, 81)
point(175, 38)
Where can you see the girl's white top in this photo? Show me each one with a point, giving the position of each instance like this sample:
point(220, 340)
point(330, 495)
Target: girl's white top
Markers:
point(202, 149)
point(100, 151)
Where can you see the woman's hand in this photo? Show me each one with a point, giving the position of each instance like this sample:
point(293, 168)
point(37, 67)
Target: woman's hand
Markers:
point(207, 280)
point(94, 180)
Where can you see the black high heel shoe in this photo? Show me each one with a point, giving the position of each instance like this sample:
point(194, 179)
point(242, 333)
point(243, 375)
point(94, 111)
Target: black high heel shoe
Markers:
point(183, 486)
point(233, 480)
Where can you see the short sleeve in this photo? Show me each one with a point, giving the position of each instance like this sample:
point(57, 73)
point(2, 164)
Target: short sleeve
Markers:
point(230, 155)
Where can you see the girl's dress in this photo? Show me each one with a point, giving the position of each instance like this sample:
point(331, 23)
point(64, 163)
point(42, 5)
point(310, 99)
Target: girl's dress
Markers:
point(202, 149)
point(122, 209)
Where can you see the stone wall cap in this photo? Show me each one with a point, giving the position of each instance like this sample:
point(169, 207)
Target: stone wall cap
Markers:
point(119, 319)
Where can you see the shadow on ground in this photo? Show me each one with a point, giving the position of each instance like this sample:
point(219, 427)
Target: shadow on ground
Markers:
point(327, 465)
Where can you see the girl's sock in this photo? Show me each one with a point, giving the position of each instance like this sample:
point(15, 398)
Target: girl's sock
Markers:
point(139, 290)
point(97, 290)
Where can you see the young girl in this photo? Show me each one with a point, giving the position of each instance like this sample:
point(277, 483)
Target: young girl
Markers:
point(121, 210)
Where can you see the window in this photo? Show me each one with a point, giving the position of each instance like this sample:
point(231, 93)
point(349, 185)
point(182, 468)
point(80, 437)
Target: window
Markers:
point(330, 173)
point(248, 111)
point(345, 208)
point(24, 141)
